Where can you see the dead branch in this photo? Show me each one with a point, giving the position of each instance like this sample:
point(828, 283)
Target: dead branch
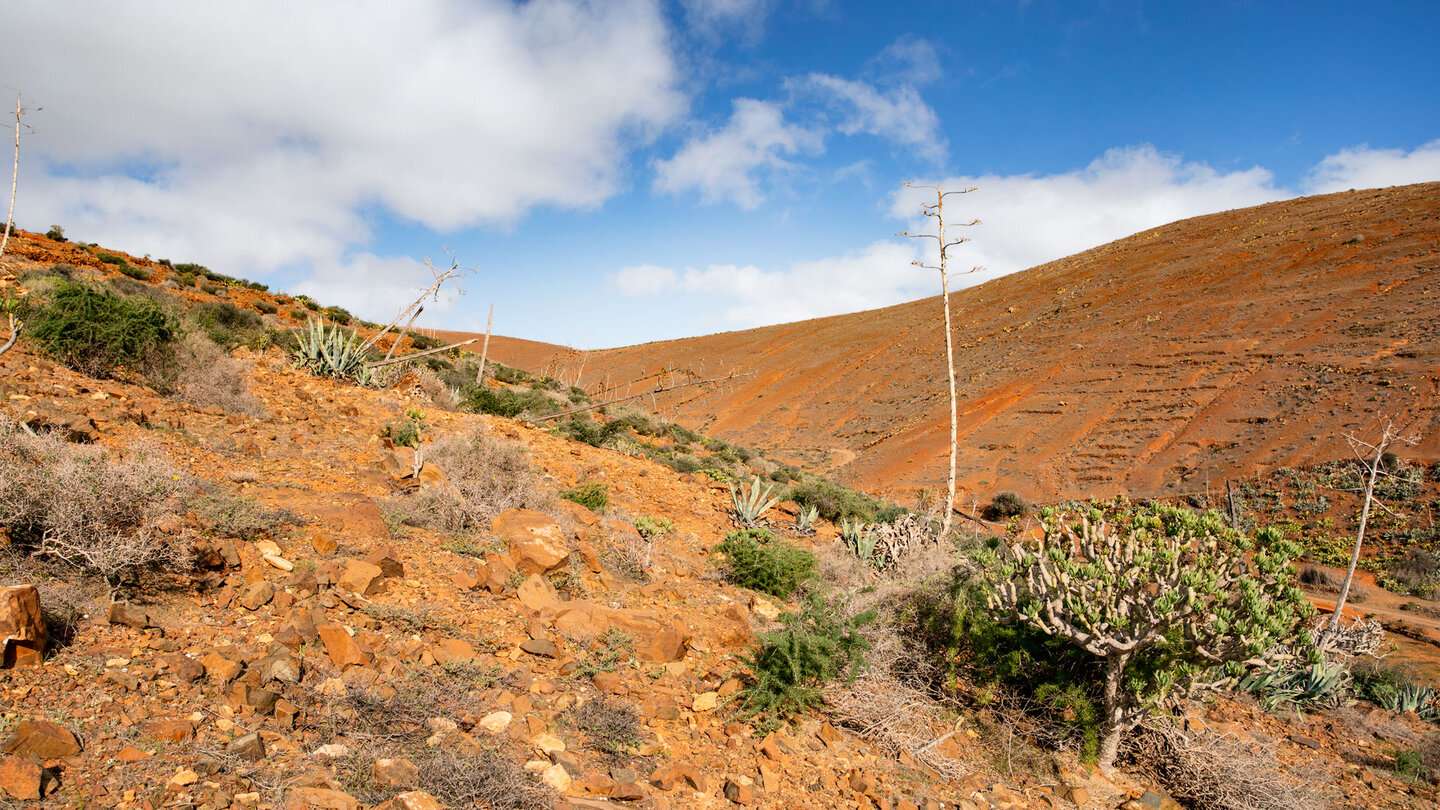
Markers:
point(485, 348)
point(15, 327)
point(413, 355)
point(432, 293)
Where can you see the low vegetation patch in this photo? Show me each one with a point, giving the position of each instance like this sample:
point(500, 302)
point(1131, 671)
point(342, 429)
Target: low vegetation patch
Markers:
point(101, 334)
point(485, 476)
point(758, 560)
point(591, 495)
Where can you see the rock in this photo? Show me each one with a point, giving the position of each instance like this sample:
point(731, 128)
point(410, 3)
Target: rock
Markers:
point(537, 593)
point(656, 640)
point(276, 561)
point(627, 792)
point(221, 669)
point(343, 649)
point(609, 683)
point(705, 702)
point(332, 751)
point(764, 608)
point(536, 541)
point(257, 595)
point(283, 666)
point(315, 798)
point(453, 650)
point(362, 578)
point(412, 800)
point(496, 722)
point(184, 777)
point(548, 743)
point(394, 773)
point(324, 544)
point(540, 646)
point(1075, 793)
point(180, 667)
point(1152, 800)
point(668, 777)
point(23, 778)
point(556, 777)
point(43, 739)
point(248, 747)
point(172, 731)
point(22, 624)
point(739, 792)
point(389, 561)
point(128, 615)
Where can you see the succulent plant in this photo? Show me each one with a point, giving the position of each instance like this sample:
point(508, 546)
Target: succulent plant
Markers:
point(332, 353)
point(751, 501)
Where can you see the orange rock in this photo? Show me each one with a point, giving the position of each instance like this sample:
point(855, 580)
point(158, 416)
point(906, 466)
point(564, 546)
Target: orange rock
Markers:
point(536, 542)
point(362, 577)
point(43, 739)
point(343, 649)
point(22, 625)
point(23, 778)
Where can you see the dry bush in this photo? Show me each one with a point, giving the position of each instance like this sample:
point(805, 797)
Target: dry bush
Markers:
point(82, 508)
point(486, 780)
point(630, 556)
point(610, 726)
point(1210, 771)
point(898, 718)
point(208, 376)
point(408, 374)
point(486, 476)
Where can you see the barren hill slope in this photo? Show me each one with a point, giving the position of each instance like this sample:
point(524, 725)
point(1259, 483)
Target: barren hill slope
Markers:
point(1165, 362)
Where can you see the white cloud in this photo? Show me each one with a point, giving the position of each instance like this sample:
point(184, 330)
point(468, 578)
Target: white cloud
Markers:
point(729, 164)
point(875, 276)
point(265, 132)
point(377, 285)
point(1029, 220)
point(898, 115)
point(712, 18)
point(910, 60)
point(1363, 167)
point(644, 279)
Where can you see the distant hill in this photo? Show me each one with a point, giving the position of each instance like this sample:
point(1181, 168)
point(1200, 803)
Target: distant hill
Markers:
point(1166, 362)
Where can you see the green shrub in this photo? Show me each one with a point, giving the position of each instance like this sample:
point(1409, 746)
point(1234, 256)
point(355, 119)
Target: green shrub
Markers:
point(191, 269)
point(424, 342)
point(405, 434)
point(243, 518)
point(818, 644)
point(338, 315)
point(137, 273)
point(100, 334)
point(836, 503)
point(308, 302)
point(56, 234)
point(756, 559)
point(332, 353)
point(266, 307)
point(226, 324)
point(505, 401)
point(592, 496)
point(211, 289)
point(109, 258)
point(581, 427)
point(648, 527)
point(297, 314)
point(185, 279)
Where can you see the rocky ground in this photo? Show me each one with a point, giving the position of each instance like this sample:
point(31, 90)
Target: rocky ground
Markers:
point(342, 657)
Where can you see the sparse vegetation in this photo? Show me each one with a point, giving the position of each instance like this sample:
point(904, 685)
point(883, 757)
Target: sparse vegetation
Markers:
point(101, 334)
point(485, 476)
point(820, 643)
point(591, 495)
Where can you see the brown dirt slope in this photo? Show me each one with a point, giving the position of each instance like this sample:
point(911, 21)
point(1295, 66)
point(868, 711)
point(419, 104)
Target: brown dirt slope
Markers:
point(1162, 363)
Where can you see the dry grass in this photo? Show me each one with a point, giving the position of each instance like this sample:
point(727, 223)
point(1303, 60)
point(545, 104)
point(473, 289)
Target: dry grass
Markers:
point(898, 718)
point(85, 509)
point(486, 476)
point(611, 727)
point(1210, 771)
point(209, 377)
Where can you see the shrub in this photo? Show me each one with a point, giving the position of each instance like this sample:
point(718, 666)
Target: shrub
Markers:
point(242, 518)
point(83, 508)
point(820, 643)
point(266, 307)
point(297, 314)
point(756, 559)
point(102, 334)
point(338, 315)
point(1417, 573)
point(750, 503)
point(1003, 506)
point(211, 289)
point(486, 476)
point(405, 434)
point(1162, 596)
point(226, 324)
point(836, 503)
point(56, 234)
point(581, 427)
point(109, 258)
point(505, 401)
point(137, 273)
point(612, 727)
point(592, 496)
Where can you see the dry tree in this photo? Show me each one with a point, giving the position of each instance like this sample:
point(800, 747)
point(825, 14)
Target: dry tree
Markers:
point(937, 210)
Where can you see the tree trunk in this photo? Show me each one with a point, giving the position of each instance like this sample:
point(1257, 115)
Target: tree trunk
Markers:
point(1114, 707)
point(1334, 624)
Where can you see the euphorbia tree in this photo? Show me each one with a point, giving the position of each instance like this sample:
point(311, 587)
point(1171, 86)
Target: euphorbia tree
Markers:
point(1169, 599)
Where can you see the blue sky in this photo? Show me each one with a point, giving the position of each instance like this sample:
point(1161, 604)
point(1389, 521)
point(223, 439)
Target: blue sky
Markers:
point(634, 170)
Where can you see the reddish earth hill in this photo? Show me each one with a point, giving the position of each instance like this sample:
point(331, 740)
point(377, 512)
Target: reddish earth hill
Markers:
point(1163, 363)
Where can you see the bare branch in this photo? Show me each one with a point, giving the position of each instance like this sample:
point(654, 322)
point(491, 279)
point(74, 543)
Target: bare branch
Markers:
point(427, 353)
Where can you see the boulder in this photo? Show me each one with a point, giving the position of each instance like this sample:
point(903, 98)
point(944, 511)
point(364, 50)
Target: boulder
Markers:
point(22, 625)
point(537, 593)
point(23, 778)
point(362, 577)
point(43, 739)
point(344, 650)
point(537, 543)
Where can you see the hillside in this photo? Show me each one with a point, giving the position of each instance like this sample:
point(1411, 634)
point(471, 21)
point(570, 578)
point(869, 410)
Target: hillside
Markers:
point(1164, 363)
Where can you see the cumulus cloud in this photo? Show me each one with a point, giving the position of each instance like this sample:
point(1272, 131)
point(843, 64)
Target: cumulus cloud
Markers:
point(731, 163)
point(899, 114)
point(1032, 219)
point(877, 275)
point(1363, 167)
point(263, 135)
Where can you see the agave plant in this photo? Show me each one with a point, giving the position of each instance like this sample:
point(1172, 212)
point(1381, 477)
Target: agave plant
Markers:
point(332, 353)
point(805, 519)
point(1317, 684)
point(751, 502)
point(1412, 698)
point(860, 538)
